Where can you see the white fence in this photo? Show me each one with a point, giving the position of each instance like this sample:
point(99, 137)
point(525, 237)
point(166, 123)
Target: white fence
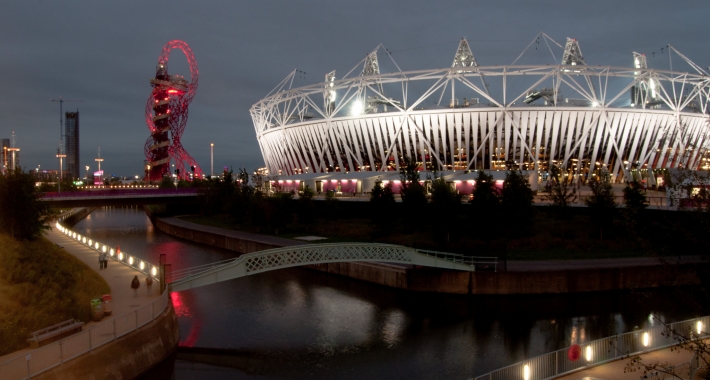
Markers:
point(54, 354)
point(600, 351)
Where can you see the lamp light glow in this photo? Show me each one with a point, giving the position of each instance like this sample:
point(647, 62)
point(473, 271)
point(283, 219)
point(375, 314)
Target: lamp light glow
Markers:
point(154, 271)
point(130, 260)
point(142, 265)
point(526, 372)
point(356, 108)
point(588, 353)
point(646, 339)
point(699, 327)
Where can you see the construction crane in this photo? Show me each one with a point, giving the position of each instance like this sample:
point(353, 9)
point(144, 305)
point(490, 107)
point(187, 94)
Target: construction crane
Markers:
point(61, 111)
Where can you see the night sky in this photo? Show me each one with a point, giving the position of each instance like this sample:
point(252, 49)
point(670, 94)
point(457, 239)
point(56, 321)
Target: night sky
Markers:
point(104, 53)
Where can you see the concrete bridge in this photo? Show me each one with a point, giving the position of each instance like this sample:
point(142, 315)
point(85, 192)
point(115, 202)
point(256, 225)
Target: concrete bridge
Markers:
point(120, 197)
point(286, 257)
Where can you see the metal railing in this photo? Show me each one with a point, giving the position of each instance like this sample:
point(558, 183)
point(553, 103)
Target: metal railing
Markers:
point(600, 351)
point(187, 272)
point(114, 254)
point(476, 261)
point(54, 354)
point(120, 192)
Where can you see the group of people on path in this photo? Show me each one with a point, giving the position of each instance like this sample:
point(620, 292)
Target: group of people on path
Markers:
point(136, 283)
point(103, 260)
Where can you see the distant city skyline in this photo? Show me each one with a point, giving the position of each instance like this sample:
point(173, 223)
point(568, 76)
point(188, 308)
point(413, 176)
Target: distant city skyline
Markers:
point(104, 54)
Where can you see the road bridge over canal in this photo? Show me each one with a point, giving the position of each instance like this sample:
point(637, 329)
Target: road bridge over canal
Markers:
point(120, 197)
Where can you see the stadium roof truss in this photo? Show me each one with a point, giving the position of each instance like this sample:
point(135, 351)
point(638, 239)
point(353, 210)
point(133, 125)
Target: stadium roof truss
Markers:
point(351, 124)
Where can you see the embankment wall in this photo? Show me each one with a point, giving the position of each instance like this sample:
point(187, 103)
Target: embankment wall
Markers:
point(459, 282)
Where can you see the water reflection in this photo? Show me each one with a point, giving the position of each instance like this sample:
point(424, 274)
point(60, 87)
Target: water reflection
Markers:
point(301, 323)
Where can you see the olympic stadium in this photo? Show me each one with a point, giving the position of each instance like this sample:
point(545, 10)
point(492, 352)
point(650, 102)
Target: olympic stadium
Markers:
point(632, 122)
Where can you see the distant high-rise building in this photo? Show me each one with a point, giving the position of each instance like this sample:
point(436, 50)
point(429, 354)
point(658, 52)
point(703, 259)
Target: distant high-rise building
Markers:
point(71, 135)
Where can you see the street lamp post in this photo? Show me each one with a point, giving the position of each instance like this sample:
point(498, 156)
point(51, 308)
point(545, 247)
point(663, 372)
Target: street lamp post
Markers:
point(211, 160)
point(60, 156)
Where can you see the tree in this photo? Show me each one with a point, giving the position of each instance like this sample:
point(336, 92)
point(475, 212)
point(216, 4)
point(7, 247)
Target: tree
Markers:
point(485, 206)
point(517, 198)
point(561, 190)
point(166, 183)
point(634, 198)
point(306, 213)
point(412, 192)
point(382, 195)
point(382, 207)
point(22, 215)
point(601, 203)
point(562, 194)
point(446, 203)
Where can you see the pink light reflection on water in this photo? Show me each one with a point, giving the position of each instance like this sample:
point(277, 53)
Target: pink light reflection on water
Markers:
point(183, 311)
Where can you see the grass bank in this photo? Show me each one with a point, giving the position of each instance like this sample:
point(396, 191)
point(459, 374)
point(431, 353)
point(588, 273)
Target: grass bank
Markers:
point(41, 285)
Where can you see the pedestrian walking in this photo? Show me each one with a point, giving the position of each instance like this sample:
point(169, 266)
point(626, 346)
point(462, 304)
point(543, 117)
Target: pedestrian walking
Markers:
point(148, 283)
point(135, 284)
point(101, 261)
point(105, 260)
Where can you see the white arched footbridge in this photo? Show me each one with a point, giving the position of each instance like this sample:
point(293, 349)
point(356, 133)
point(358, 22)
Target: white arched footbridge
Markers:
point(279, 258)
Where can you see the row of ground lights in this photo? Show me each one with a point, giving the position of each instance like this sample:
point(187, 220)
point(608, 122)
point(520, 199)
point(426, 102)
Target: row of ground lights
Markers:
point(129, 260)
point(588, 353)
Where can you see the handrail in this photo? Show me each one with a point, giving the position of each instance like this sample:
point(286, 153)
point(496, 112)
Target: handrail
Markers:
point(55, 354)
point(121, 257)
point(460, 258)
point(187, 272)
point(601, 351)
point(120, 192)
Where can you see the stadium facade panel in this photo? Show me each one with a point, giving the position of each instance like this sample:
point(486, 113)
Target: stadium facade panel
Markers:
point(629, 121)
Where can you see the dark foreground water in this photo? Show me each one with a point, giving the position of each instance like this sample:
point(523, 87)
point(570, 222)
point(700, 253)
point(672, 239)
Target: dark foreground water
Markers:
point(298, 323)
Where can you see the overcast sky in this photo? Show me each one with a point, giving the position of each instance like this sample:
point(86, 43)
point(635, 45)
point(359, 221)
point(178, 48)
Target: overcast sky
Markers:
point(104, 53)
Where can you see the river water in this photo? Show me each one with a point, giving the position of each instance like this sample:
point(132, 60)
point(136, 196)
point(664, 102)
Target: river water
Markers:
point(299, 323)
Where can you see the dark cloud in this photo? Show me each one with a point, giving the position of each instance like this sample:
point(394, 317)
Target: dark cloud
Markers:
point(105, 52)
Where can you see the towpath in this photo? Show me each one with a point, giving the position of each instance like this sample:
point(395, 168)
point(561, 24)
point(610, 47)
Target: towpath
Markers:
point(117, 276)
point(615, 370)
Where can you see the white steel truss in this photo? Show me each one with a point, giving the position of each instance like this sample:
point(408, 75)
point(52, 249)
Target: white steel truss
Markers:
point(280, 258)
point(616, 118)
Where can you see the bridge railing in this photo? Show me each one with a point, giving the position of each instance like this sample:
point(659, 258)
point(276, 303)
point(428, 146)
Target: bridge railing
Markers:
point(120, 192)
point(187, 272)
point(601, 351)
point(476, 261)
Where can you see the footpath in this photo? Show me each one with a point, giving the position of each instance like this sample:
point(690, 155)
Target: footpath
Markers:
point(117, 276)
point(616, 370)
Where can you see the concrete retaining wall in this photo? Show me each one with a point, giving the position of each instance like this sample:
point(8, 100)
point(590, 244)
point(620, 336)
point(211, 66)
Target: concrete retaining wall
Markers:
point(128, 356)
point(232, 243)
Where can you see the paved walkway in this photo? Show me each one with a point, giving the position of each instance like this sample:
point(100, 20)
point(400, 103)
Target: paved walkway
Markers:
point(615, 369)
point(117, 276)
point(531, 266)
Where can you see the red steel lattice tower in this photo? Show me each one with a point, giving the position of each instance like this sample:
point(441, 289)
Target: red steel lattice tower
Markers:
point(166, 116)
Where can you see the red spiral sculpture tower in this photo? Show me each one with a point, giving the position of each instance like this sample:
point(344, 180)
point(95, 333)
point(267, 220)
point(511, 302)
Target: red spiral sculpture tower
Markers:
point(166, 116)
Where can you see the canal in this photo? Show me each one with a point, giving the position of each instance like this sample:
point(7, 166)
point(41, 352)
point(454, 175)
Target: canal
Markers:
point(299, 323)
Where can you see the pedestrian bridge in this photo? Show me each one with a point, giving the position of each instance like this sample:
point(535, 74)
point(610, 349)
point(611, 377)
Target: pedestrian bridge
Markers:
point(279, 258)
